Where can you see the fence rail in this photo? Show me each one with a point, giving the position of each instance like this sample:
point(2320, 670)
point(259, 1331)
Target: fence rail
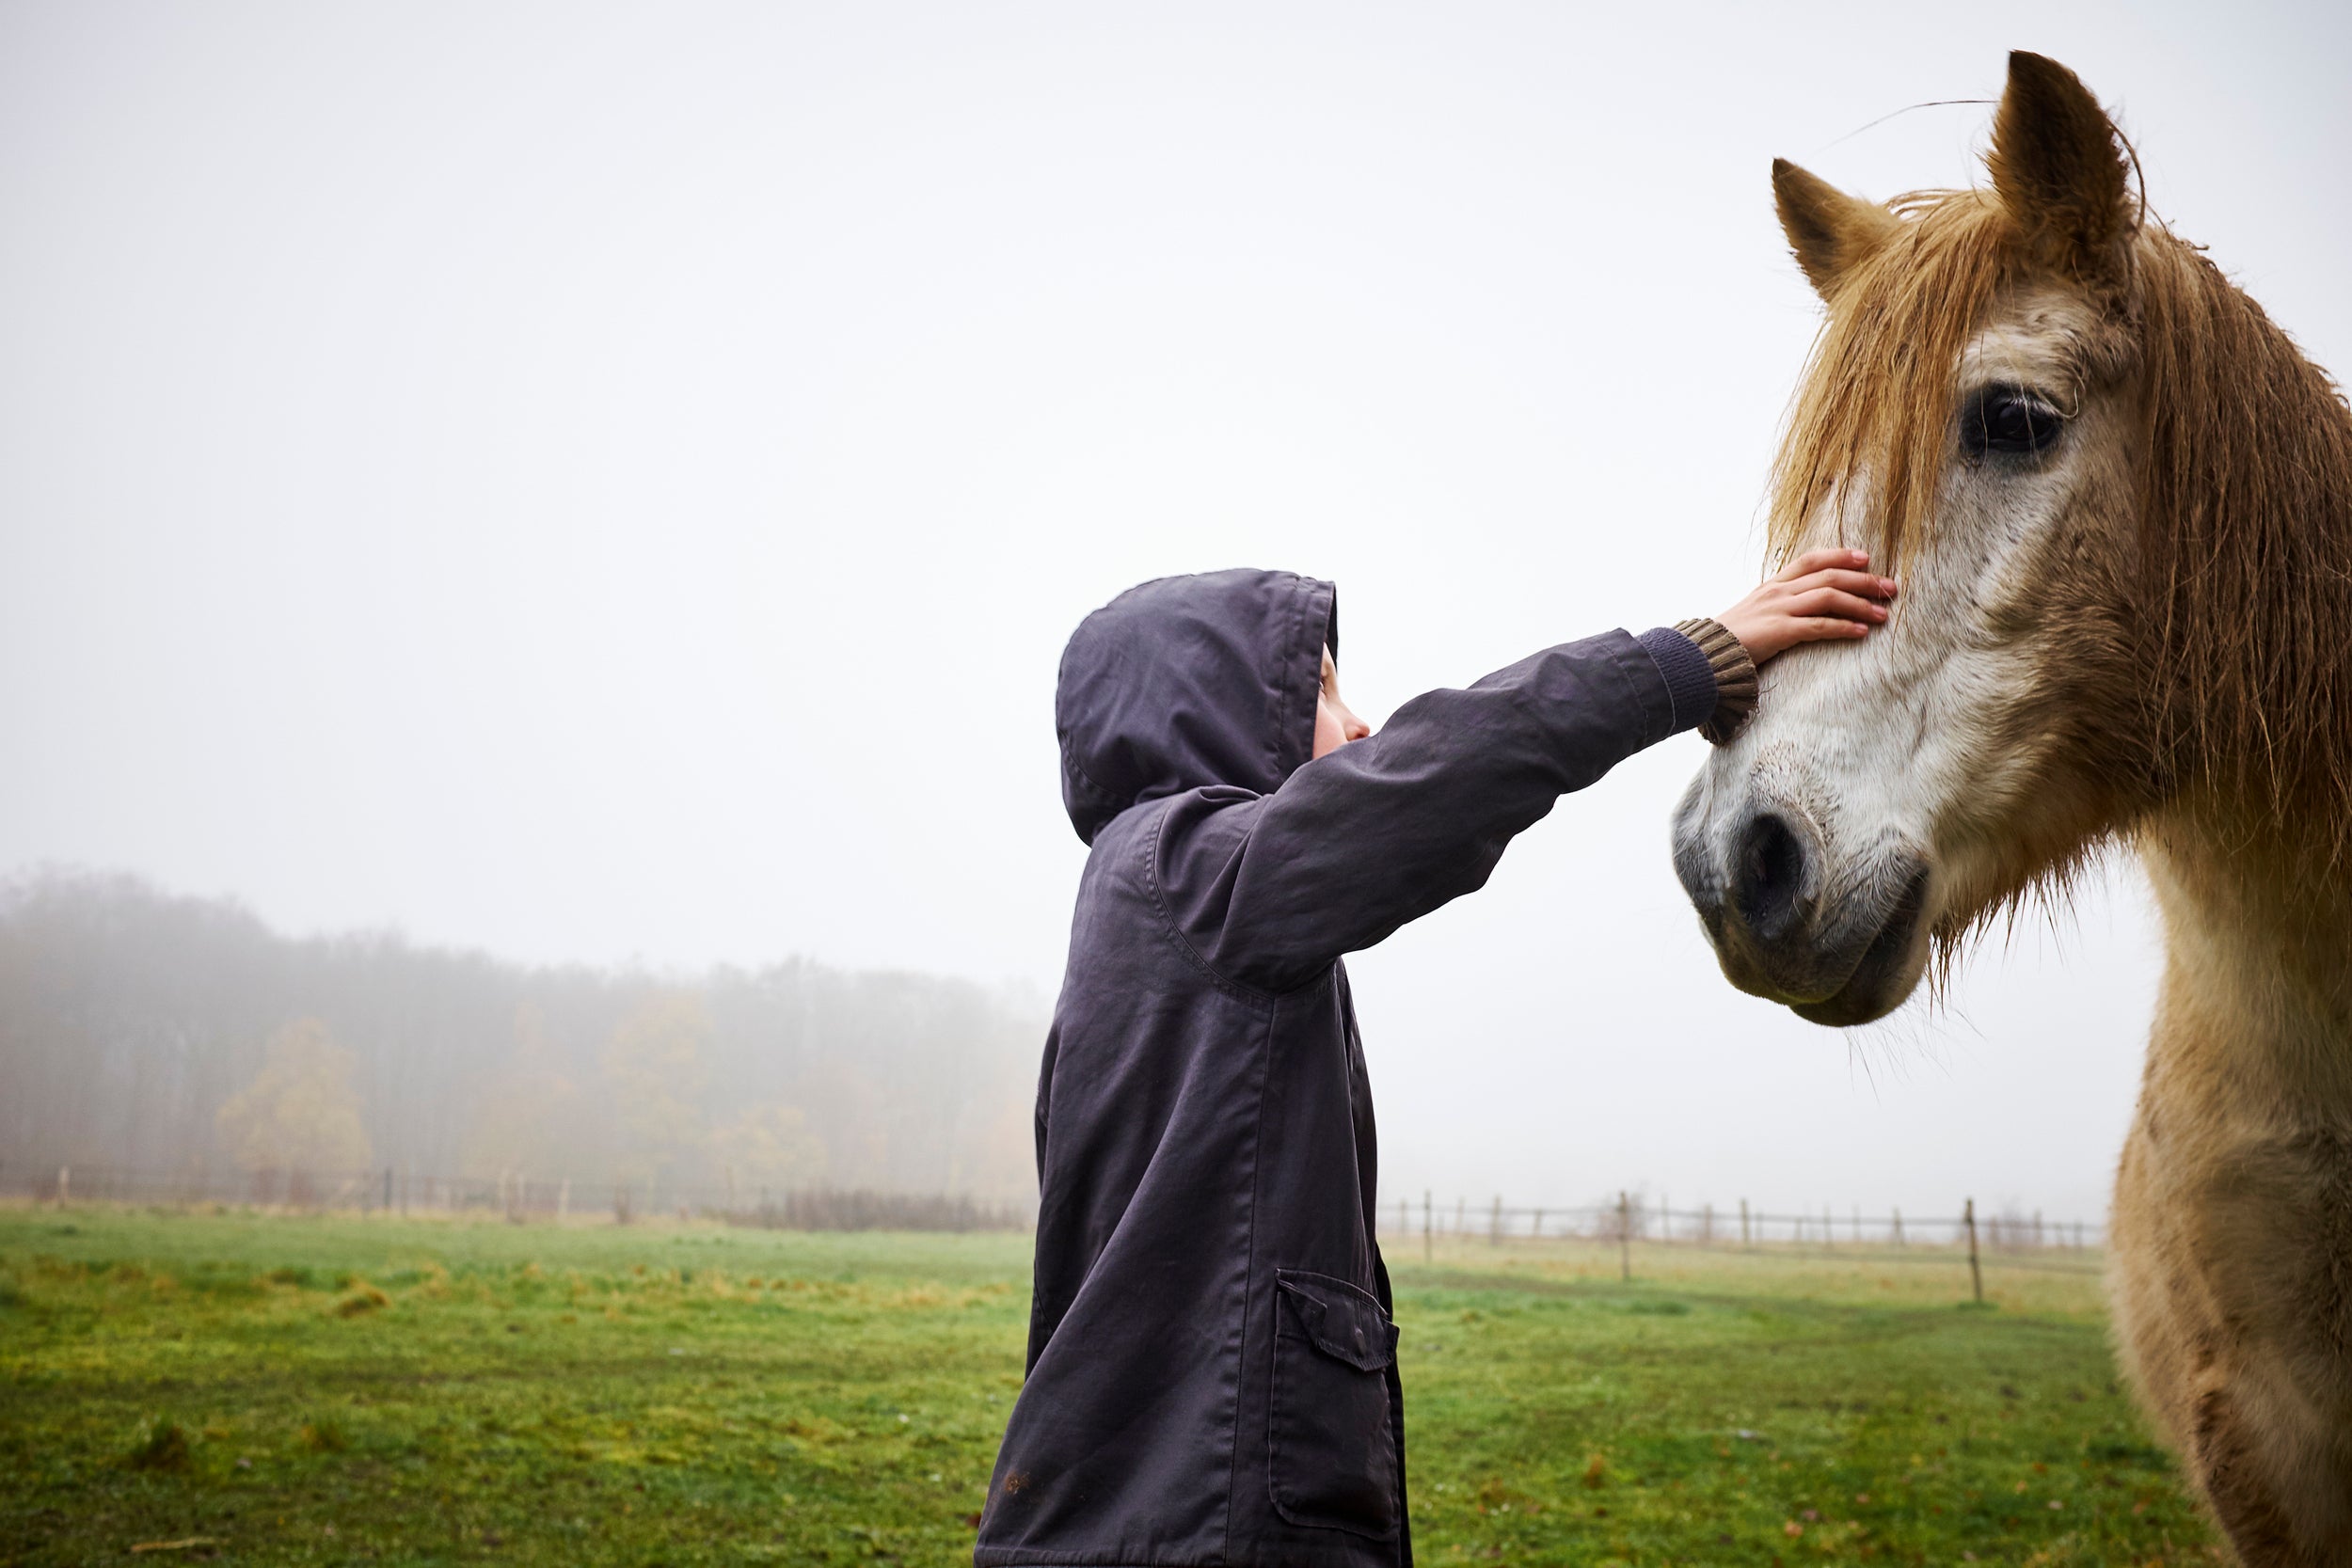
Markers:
point(2014, 1240)
point(516, 1197)
point(1738, 1224)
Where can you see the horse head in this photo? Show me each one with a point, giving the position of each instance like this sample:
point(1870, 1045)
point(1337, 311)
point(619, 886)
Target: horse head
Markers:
point(2118, 501)
point(1973, 416)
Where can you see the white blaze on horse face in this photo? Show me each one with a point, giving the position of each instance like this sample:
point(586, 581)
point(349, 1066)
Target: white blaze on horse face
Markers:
point(1899, 765)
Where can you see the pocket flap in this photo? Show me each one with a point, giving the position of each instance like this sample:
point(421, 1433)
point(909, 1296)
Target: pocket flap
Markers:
point(1342, 1320)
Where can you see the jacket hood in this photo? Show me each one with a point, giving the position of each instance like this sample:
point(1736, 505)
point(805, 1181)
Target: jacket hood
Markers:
point(1190, 681)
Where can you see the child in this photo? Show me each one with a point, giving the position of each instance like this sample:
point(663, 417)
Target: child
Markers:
point(1211, 1372)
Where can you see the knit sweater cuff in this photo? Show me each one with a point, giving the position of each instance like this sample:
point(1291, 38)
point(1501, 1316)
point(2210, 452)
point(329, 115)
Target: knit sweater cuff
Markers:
point(1735, 677)
point(1690, 684)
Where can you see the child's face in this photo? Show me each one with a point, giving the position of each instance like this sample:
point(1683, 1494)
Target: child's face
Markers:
point(1336, 723)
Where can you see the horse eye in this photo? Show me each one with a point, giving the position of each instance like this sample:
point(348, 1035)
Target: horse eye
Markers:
point(2009, 420)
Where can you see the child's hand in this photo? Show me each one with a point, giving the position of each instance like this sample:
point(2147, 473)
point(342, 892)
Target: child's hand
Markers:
point(1822, 595)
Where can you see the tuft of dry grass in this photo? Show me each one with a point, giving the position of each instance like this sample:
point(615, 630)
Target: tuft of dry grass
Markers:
point(362, 1297)
point(322, 1435)
point(163, 1449)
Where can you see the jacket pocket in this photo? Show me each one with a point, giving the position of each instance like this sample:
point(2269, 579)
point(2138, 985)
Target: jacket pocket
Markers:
point(1333, 1453)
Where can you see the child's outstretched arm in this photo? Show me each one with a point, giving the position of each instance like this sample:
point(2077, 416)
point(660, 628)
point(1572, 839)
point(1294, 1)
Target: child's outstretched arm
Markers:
point(1268, 891)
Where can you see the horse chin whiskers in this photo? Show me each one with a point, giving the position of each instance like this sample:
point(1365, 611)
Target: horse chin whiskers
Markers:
point(2045, 894)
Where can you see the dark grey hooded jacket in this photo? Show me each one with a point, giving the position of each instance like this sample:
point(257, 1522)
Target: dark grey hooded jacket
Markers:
point(1212, 1363)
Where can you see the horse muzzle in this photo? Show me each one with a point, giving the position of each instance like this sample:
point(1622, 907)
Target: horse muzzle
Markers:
point(1838, 935)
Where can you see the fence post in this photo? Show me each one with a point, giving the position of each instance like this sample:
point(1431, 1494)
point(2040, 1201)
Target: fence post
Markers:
point(1828, 1232)
point(1898, 1226)
point(1428, 1242)
point(1625, 1236)
point(1975, 1274)
point(1535, 1231)
point(387, 1189)
point(1494, 1226)
point(1744, 1242)
point(65, 1180)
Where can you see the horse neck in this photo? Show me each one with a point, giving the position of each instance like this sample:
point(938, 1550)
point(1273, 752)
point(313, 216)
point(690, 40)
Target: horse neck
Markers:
point(2257, 999)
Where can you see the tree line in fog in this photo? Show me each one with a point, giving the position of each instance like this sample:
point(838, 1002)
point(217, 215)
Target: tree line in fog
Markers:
point(158, 1032)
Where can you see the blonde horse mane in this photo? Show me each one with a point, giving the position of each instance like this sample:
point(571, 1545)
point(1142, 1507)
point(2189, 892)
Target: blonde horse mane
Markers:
point(2244, 586)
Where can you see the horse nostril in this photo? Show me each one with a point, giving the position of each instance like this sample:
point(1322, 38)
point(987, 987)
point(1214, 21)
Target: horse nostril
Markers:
point(1770, 877)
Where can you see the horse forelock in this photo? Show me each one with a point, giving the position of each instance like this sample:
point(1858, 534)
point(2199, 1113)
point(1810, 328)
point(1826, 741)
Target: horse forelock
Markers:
point(1876, 396)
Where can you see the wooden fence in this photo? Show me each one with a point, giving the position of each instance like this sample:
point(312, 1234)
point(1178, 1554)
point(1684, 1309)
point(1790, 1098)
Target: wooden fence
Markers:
point(514, 1195)
point(2009, 1239)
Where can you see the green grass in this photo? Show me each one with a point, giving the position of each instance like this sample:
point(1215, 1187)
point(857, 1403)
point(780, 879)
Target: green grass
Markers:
point(285, 1389)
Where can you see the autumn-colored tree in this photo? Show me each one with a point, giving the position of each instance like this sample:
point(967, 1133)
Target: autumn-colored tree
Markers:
point(770, 1146)
point(528, 1116)
point(656, 1067)
point(300, 1112)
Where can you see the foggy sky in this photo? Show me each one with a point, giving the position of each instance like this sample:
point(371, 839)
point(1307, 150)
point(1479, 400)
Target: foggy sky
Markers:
point(594, 483)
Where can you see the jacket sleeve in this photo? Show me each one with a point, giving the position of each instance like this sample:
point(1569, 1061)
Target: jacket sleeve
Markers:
point(1270, 890)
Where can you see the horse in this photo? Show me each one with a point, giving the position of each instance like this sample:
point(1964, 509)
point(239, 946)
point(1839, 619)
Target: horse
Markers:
point(2118, 501)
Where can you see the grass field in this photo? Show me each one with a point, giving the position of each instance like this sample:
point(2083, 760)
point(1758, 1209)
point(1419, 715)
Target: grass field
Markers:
point(261, 1389)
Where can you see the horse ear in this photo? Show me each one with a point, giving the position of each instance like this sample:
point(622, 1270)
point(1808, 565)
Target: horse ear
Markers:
point(2058, 166)
point(1828, 229)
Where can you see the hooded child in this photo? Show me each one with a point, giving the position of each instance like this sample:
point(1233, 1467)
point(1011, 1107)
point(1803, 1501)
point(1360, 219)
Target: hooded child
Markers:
point(1212, 1363)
